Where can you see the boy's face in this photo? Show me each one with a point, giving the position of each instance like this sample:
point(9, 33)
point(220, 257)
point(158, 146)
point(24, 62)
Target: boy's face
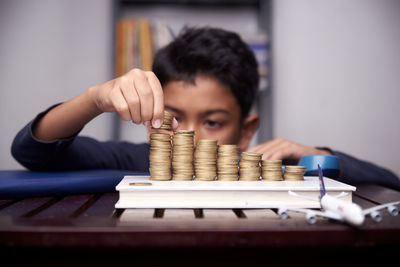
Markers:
point(207, 107)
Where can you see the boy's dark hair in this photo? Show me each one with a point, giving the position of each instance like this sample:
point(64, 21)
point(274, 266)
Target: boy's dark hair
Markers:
point(212, 52)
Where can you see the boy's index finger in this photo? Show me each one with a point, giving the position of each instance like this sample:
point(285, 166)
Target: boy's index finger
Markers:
point(158, 103)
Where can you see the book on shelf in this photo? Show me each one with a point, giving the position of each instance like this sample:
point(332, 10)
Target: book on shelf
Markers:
point(145, 44)
point(138, 39)
point(141, 192)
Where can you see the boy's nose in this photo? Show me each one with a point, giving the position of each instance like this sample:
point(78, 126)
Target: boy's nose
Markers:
point(187, 126)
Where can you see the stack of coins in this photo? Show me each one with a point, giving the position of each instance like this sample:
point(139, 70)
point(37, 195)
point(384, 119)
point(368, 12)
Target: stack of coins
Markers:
point(160, 157)
point(227, 163)
point(249, 166)
point(182, 155)
point(272, 170)
point(205, 160)
point(294, 173)
point(167, 122)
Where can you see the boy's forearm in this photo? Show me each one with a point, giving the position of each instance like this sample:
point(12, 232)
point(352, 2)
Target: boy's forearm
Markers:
point(67, 119)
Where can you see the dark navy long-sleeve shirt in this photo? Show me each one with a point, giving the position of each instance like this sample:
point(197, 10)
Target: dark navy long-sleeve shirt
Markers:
point(79, 152)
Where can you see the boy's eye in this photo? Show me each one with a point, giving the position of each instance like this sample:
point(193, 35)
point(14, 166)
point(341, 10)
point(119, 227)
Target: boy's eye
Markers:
point(212, 124)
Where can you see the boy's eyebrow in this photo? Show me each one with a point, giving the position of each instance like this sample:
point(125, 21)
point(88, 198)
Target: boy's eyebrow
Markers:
point(208, 112)
point(173, 109)
point(212, 111)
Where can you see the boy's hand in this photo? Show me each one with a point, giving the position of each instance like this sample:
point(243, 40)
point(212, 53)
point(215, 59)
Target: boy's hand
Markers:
point(137, 96)
point(280, 148)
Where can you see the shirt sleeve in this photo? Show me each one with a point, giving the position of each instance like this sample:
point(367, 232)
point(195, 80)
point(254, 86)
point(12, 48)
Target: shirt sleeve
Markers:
point(355, 171)
point(76, 152)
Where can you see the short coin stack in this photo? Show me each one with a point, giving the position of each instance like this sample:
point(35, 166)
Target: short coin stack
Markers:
point(167, 122)
point(249, 166)
point(294, 173)
point(228, 157)
point(160, 156)
point(182, 155)
point(271, 170)
point(205, 160)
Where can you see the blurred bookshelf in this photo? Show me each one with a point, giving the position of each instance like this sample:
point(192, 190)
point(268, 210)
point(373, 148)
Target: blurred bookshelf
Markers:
point(142, 27)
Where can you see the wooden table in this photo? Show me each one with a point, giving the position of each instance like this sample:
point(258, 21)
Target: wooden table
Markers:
point(86, 228)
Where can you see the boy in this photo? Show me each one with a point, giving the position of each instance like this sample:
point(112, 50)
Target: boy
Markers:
point(207, 78)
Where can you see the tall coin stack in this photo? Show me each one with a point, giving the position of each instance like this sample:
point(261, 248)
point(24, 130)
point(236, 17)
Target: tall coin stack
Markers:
point(249, 166)
point(271, 170)
point(294, 173)
point(205, 160)
point(182, 155)
point(160, 157)
point(167, 122)
point(227, 163)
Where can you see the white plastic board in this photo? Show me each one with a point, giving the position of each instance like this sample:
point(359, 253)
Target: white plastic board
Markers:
point(141, 192)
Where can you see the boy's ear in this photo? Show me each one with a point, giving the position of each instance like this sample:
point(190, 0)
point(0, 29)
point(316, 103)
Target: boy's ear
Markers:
point(249, 127)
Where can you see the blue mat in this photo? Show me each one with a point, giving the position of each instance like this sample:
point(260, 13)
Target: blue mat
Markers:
point(19, 184)
point(15, 184)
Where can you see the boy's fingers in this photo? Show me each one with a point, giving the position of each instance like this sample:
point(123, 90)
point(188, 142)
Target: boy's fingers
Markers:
point(174, 124)
point(266, 147)
point(278, 151)
point(256, 149)
point(158, 94)
point(120, 105)
point(132, 98)
point(281, 148)
point(145, 94)
point(291, 150)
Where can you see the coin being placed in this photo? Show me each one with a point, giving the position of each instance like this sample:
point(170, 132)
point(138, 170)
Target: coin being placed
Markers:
point(167, 121)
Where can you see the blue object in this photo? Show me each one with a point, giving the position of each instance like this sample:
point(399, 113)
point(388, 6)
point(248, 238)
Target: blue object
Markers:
point(15, 184)
point(329, 164)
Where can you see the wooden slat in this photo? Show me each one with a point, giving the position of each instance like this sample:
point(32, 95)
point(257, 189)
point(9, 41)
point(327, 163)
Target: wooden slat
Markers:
point(64, 208)
point(136, 215)
point(4, 203)
point(221, 214)
point(85, 206)
point(387, 219)
point(260, 214)
point(365, 204)
point(296, 215)
point(104, 206)
point(23, 206)
point(377, 194)
point(42, 207)
point(184, 214)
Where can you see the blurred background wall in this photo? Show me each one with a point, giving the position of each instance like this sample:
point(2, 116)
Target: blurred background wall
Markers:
point(336, 75)
point(335, 70)
point(50, 51)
